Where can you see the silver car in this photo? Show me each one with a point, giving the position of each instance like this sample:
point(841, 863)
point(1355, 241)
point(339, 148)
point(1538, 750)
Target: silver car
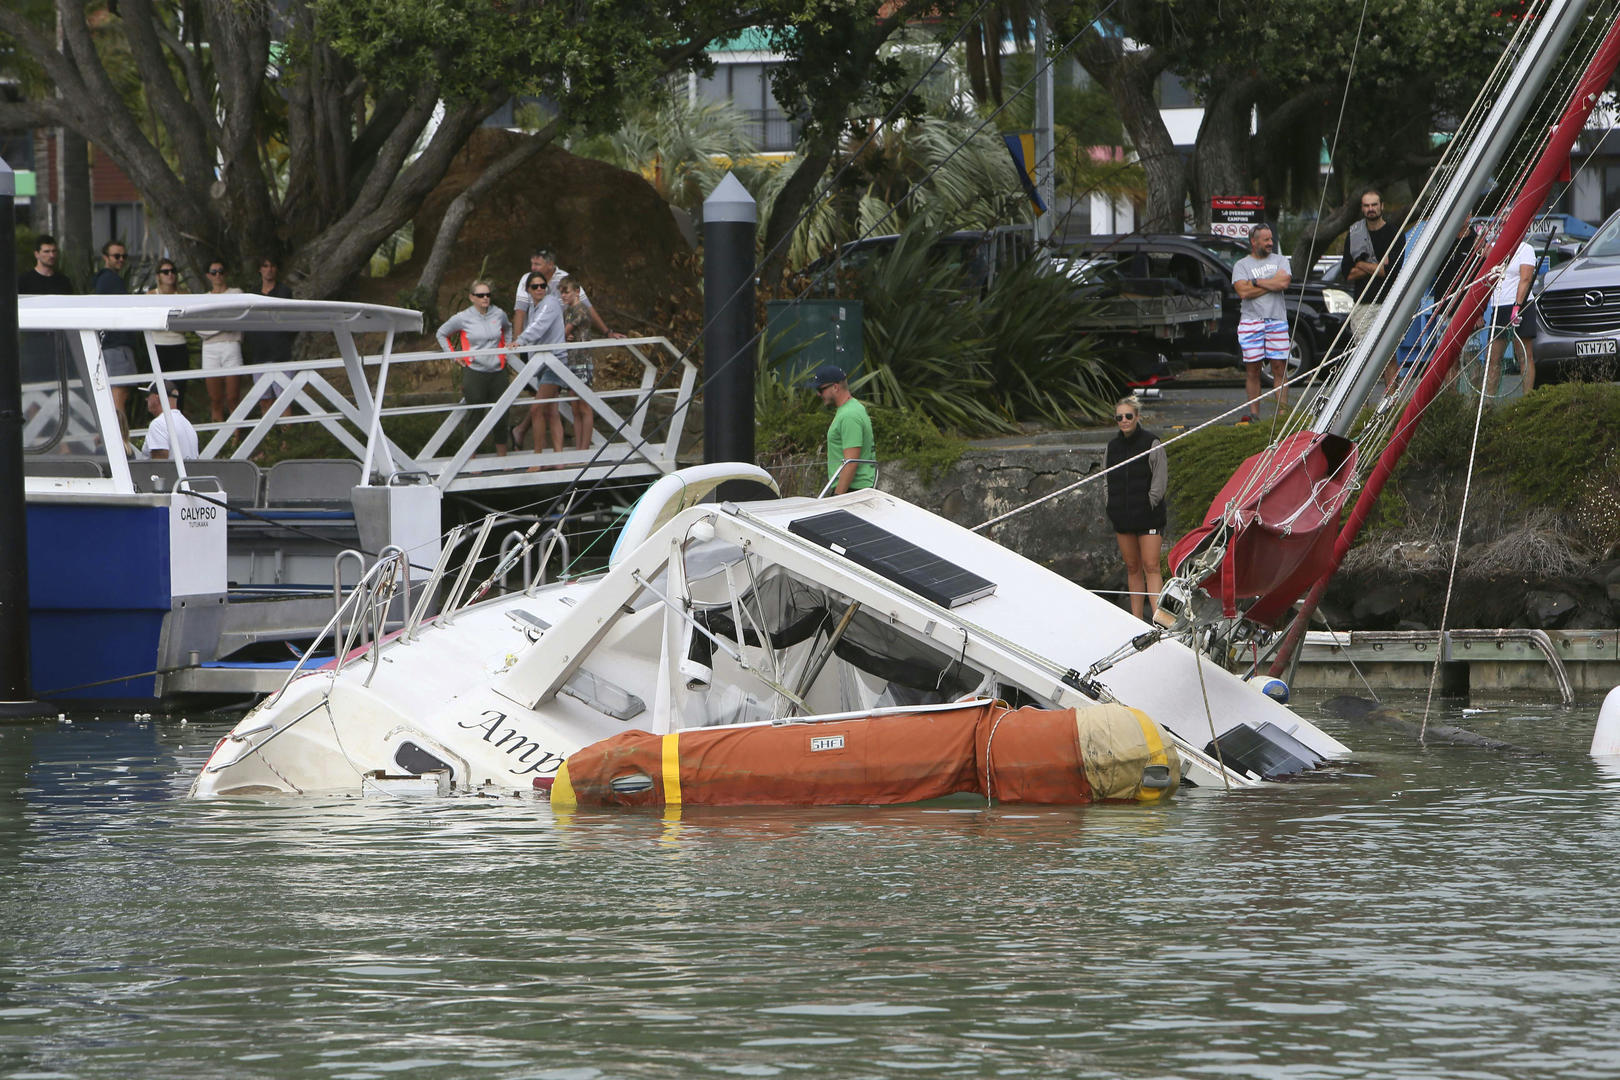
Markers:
point(1576, 315)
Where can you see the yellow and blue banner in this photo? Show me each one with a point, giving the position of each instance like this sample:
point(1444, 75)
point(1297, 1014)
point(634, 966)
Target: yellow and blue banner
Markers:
point(1021, 145)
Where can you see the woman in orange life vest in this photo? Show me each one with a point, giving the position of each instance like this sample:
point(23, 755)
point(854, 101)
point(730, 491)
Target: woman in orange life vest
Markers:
point(483, 374)
point(1136, 504)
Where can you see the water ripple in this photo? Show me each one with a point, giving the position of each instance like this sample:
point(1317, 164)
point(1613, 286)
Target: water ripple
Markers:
point(1434, 912)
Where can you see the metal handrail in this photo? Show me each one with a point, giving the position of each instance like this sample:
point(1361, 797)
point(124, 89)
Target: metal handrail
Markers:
point(332, 393)
point(451, 542)
point(512, 540)
point(552, 538)
point(357, 595)
point(833, 479)
point(448, 612)
point(337, 573)
point(392, 550)
point(1445, 639)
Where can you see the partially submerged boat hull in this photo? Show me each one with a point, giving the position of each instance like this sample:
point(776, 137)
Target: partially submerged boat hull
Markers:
point(731, 615)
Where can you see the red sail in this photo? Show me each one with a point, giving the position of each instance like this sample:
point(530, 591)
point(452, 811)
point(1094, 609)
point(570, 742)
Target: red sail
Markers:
point(1278, 516)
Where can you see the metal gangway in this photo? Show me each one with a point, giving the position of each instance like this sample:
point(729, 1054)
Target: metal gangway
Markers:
point(637, 429)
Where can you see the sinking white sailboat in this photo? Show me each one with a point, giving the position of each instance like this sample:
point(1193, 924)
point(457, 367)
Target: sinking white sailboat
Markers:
point(776, 613)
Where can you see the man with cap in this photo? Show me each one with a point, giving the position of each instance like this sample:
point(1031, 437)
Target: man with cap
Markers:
point(171, 434)
point(849, 438)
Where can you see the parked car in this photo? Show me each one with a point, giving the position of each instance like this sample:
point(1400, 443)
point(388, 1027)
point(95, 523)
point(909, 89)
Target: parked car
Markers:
point(980, 254)
point(1576, 315)
point(1204, 261)
point(1560, 228)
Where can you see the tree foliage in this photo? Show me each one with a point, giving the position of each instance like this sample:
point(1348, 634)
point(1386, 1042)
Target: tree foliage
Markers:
point(1401, 69)
point(314, 129)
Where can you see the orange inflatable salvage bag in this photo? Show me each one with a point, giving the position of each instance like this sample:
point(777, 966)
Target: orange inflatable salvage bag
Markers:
point(1052, 756)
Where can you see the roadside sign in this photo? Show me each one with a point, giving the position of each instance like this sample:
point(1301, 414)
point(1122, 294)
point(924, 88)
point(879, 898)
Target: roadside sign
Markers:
point(1235, 215)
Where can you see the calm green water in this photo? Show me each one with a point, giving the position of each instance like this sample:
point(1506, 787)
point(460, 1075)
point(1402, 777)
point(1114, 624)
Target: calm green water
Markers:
point(1434, 912)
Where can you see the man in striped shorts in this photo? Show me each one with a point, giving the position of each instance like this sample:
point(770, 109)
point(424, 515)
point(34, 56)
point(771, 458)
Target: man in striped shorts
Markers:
point(1260, 278)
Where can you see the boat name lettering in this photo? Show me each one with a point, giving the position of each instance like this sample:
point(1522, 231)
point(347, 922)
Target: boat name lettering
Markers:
point(827, 742)
point(520, 747)
point(198, 513)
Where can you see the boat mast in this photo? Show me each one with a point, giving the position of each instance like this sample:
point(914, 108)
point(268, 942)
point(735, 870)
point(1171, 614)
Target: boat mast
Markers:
point(1345, 398)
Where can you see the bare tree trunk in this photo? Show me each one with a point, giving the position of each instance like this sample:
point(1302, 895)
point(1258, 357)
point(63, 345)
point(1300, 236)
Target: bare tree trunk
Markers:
point(76, 240)
point(1129, 77)
point(791, 201)
point(1220, 153)
point(461, 208)
point(1310, 246)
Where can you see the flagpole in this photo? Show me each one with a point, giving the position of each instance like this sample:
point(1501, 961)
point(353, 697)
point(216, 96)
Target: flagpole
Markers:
point(1044, 143)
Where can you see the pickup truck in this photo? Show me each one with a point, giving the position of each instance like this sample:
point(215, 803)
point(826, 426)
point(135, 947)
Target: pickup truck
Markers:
point(1201, 265)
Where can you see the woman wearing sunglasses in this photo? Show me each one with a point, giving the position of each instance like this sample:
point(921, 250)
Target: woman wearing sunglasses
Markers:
point(478, 333)
point(172, 351)
point(1138, 477)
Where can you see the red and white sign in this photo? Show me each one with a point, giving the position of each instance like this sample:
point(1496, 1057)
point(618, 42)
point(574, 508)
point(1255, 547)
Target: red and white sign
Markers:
point(1235, 215)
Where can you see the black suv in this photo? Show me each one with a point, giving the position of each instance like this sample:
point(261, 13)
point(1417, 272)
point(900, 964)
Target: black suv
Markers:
point(1153, 262)
point(979, 254)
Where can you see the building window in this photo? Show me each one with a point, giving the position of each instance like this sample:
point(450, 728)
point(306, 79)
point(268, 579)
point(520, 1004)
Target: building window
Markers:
point(1175, 94)
point(1611, 189)
point(748, 88)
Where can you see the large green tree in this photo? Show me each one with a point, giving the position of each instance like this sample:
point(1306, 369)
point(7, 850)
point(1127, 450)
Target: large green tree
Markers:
point(314, 129)
point(1401, 69)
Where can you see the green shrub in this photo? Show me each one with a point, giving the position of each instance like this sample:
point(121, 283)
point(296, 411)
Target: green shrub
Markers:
point(1548, 446)
point(1202, 463)
point(976, 362)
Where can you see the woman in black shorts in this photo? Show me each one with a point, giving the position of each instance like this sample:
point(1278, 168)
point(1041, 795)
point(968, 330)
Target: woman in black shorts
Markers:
point(1136, 506)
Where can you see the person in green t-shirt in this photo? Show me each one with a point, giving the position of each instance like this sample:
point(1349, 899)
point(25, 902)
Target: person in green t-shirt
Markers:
point(850, 446)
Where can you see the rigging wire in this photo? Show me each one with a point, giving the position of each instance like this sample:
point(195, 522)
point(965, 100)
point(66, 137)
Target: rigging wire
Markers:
point(1456, 557)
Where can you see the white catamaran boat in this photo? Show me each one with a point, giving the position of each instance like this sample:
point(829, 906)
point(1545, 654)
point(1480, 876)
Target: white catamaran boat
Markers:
point(149, 578)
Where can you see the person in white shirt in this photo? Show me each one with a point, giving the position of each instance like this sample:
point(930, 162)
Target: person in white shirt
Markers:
point(1512, 290)
point(171, 434)
point(221, 351)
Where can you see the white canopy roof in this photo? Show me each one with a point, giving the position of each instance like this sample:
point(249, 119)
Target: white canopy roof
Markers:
point(209, 311)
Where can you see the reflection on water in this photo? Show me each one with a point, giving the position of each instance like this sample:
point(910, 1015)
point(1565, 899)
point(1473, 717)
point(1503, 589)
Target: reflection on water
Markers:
point(1428, 912)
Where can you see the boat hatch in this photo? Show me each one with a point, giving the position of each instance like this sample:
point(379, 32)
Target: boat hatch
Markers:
point(603, 695)
point(893, 557)
point(1266, 751)
point(412, 758)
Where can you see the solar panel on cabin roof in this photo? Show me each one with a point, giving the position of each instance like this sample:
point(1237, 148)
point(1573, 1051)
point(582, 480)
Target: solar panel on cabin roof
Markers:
point(893, 557)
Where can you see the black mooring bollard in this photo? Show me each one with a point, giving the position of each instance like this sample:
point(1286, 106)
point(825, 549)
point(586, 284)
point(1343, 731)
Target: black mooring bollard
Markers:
point(729, 218)
point(16, 691)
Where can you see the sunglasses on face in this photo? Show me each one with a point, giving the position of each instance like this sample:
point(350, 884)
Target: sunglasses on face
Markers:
point(1124, 416)
point(165, 269)
point(538, 286)
point(480, 296)
point(118, 255)
point(216, 273)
